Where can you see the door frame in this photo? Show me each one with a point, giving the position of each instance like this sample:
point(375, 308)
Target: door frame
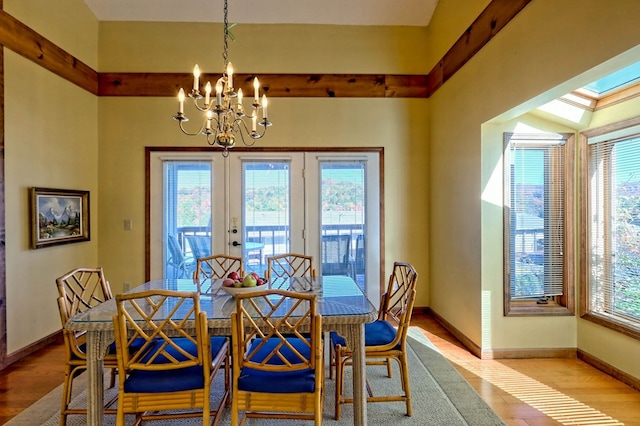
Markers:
point(149, 150)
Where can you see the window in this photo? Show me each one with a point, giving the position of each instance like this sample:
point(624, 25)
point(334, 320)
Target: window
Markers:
point(538, 261)
point(611, 213)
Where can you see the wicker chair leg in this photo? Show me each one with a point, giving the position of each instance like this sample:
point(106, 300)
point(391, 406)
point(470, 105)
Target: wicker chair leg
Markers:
point(339, 379)
point(404, 376)
point(332, 360)
point(66, 395)
point(114, 373)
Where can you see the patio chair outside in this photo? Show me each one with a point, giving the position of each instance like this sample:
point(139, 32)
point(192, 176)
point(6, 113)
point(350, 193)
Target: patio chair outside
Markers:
point(182, 266)
point(336, 255)
point(200, 245)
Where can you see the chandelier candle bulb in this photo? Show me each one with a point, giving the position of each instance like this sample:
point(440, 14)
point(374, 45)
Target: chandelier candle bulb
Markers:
point(207, 94)
point(230, 77)
point(218, 93)
point(264, 107)
point(253, 121)
point(181, 101)
point(239, 100)
point(209, 116)
point(256, 86)
point(196, 77)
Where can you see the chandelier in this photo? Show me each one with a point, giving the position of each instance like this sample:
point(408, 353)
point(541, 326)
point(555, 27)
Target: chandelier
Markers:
point(224, 113)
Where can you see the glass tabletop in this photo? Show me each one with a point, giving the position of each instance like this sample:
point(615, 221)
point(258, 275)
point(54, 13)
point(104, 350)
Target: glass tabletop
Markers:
point(339, 299)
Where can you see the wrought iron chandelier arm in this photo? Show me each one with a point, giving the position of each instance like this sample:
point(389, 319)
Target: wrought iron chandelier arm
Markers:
point(241, 125)
point(181, 119)
point(253, 135)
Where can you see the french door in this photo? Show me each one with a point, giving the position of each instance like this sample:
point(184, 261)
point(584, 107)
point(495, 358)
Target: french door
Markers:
point(255, 205)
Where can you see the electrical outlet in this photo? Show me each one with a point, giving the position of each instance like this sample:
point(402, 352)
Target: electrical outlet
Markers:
point(126, 286)
point(127, 225)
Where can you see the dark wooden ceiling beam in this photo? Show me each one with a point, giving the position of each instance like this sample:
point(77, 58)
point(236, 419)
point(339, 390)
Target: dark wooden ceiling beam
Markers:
point(492, 19)
point(26, 42)
point(274, 85)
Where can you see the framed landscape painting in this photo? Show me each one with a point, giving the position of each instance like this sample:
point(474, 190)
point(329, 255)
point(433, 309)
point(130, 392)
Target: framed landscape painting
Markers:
point(58, 216)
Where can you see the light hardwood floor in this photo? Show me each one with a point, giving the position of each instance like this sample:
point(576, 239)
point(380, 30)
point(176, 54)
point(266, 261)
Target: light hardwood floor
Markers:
point(524, 392)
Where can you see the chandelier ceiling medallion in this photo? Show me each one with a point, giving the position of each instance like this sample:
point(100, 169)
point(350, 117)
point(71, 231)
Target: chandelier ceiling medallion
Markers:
point(224, 115)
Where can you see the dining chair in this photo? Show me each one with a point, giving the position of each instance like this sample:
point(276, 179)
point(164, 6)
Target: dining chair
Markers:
point(385, 338)
point(170, 375)
point(278, 367)
point(217, 266)
point(336, 255)
point(182, 265)
point(78, 291)
point(290, 265)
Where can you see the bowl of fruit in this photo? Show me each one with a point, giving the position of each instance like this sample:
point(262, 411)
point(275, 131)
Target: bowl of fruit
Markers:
point(235, 284)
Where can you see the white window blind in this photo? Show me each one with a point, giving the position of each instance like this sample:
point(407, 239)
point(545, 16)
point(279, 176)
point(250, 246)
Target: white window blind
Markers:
point(534, 170)
point(614, 229)
point(187, 194)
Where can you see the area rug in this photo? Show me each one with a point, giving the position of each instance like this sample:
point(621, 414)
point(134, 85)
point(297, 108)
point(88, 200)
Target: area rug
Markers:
point(440, 397)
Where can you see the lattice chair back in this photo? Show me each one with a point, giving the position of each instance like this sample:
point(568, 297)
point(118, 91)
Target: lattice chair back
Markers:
point(175, 364)
point(277, 356)
point(79, 290)
point(290, 265)
point(396, 305)
point(217, 266)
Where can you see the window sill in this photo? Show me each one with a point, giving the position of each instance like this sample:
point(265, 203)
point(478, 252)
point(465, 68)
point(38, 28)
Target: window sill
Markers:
point(613, 325)
point(531, 308)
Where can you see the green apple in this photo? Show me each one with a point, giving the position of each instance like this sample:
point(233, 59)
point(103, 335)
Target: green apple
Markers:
point(249, 281)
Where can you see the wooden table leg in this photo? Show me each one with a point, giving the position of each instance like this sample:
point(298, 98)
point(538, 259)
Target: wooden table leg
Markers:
point(95, 371)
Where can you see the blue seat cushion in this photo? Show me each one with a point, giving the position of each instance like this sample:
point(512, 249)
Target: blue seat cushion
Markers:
point(376, 333)
point(254, 380)
point(145, 381)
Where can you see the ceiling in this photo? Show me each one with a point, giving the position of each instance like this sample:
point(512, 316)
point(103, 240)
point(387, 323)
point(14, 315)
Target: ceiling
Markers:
point(338, 12)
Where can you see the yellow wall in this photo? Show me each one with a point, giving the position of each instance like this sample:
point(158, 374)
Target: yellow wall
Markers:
point(127, 125)
point(538, 56)
point(449, 22)
point(176, 47)
point(51, 141)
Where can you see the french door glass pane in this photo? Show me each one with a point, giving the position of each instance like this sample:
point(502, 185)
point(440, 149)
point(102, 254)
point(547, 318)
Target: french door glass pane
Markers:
point(187, 215)
point(343, 218)
point(266, 212)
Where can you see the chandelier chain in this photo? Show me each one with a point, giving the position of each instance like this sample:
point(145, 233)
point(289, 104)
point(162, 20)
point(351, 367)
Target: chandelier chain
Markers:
point(225, 50)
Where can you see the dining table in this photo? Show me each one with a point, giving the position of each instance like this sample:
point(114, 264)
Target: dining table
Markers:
point(343, 305)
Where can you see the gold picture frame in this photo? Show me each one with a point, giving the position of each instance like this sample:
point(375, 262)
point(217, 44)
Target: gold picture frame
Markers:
point(58, 216)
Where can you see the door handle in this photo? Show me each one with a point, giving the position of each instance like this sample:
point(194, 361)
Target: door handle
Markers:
point(236, 244)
